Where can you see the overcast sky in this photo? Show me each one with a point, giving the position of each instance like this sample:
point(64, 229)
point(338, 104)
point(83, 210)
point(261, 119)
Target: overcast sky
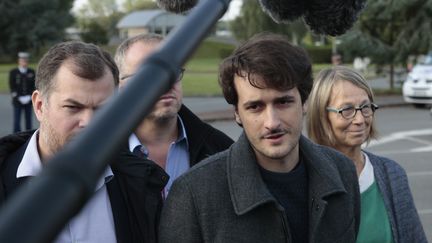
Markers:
point(232, 12)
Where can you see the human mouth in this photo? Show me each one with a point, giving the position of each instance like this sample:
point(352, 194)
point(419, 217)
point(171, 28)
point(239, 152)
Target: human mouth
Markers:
point(166, 98)
point(357, 132)
point(274, 137)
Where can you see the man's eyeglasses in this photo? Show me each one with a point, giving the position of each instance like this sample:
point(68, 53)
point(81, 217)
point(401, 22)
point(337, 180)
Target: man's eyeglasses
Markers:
point(349, 112)
point(180, 73)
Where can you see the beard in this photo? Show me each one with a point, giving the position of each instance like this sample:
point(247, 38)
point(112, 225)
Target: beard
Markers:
point(163, 114)
point(51, 138)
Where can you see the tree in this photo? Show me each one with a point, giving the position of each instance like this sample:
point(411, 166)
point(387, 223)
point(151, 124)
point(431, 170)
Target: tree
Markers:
point(253, 20)
point(98, 20)
point(95, 33)
point(31, 24)
point(134, 5)
point(389, 31)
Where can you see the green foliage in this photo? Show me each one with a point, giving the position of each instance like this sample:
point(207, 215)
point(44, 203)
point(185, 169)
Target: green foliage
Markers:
point(389, 31)
point(97, 20)
point(213, 49)
point(319, 54)
point(93, 32)
point(31, 24)
point(134, 5)
point(201, 84)
point(253, 20)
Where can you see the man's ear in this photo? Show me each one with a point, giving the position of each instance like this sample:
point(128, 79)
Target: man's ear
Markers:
point(38, 103)
point(305, 107)
point(237, 117)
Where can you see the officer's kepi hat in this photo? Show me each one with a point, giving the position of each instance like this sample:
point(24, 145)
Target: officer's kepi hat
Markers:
point(24, 55)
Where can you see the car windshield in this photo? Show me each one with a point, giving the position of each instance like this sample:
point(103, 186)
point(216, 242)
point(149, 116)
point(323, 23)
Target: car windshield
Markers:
point(428, 60)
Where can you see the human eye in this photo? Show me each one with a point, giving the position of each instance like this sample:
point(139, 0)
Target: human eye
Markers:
point(253, 107)
point(348, 111)
point(72, 108)
point(366, 109)
point(285, 101)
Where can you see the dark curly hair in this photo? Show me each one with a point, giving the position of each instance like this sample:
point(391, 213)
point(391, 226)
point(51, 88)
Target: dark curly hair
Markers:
point(281, 65)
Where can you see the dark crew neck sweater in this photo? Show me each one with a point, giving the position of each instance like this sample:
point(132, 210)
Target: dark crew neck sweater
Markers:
point(291, 191)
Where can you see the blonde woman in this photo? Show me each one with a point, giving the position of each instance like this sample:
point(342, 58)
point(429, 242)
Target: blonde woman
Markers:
point(340, 115)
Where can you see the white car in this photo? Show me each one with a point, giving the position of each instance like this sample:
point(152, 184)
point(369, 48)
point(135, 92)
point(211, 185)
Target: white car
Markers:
point(417, 89)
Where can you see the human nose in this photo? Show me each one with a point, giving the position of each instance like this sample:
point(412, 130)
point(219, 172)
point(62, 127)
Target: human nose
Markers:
point(272, 120)
point(85, 118)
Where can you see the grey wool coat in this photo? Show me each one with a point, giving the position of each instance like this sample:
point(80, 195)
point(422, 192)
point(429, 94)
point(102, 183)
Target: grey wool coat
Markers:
point(224, 199)
point(393, 184)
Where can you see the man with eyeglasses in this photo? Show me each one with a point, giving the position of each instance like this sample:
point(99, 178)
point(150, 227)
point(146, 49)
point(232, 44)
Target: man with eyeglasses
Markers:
point(171, 135)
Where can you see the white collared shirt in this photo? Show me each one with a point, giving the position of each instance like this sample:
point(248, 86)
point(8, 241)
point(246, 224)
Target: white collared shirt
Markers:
point(94, 223)
point(366, 177)
point(22, 69)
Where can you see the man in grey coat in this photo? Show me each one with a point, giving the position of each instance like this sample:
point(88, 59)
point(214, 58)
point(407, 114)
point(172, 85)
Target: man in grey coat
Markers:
point(273, 184)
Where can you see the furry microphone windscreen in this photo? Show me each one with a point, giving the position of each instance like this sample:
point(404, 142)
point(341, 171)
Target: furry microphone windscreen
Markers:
point(329, 17)
point(332, 17)
point(283, 11)
point(176, 6)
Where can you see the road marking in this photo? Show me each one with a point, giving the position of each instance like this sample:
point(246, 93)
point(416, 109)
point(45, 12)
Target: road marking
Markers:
point(420, 173)
point(425, 211)
point(419, 140)
point(403, 135)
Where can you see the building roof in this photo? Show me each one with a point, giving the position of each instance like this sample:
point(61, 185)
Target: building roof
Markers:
point(145, 18)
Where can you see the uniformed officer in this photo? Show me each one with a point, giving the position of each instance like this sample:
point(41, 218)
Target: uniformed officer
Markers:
point(22, 85)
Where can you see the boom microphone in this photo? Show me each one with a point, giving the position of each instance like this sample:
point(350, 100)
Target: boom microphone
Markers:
point(330, 17)
point(283, 11)
point(333, 17)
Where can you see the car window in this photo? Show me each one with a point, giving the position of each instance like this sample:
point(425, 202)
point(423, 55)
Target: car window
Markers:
point(428, 60)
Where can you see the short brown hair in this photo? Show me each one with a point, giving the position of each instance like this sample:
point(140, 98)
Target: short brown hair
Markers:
point(281, 65)
point(90, 62)
point(317, 122)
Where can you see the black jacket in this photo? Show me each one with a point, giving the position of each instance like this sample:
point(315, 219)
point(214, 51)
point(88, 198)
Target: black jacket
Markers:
point(134, 191)
point(203, 139)
point(21, 83)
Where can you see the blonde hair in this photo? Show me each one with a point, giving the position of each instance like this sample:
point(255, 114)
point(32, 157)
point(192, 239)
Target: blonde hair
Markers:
point(317, 122)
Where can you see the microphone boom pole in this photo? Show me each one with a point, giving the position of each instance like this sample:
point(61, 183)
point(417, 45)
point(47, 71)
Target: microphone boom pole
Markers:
point(38, 211)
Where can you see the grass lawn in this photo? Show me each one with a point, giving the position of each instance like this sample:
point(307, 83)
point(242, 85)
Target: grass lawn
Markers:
point(200, 78)
point(4, 77)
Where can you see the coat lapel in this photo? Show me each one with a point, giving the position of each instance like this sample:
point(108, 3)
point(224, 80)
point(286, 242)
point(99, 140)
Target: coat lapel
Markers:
point(246, 186)
point(324, 181)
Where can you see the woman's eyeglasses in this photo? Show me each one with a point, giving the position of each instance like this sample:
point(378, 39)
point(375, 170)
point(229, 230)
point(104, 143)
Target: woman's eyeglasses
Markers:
point(349, 112)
